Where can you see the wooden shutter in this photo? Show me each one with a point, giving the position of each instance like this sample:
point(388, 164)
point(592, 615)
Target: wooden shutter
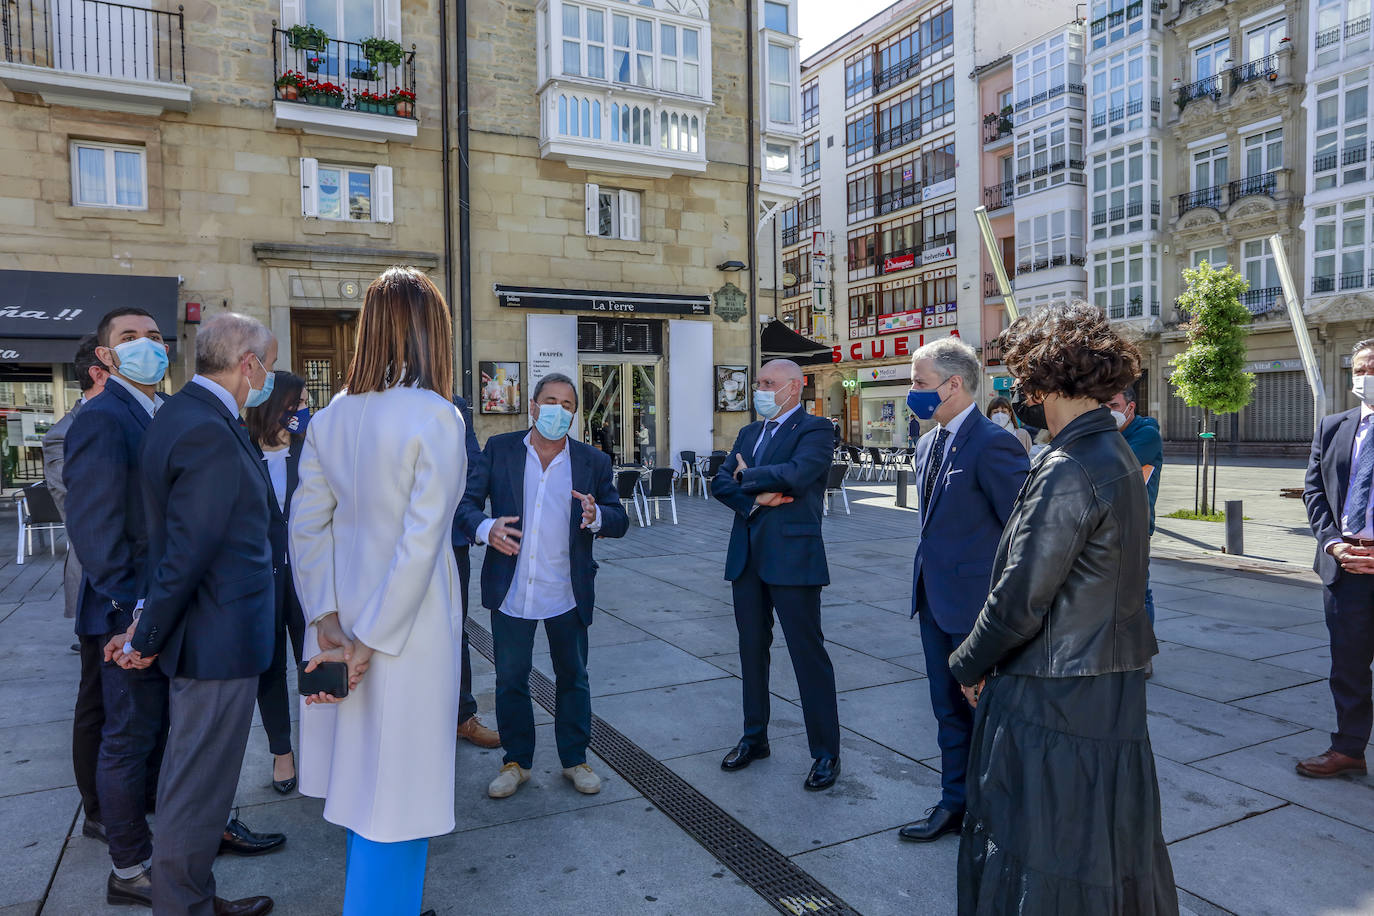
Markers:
point(383, 209)
point(629, 215)
point(593, 209)
point(291, 13)
point(310, 188)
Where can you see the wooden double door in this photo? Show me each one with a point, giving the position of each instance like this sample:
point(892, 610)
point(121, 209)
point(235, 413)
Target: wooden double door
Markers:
point(322, 345)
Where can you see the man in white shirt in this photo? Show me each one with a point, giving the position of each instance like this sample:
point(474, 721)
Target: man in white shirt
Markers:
point(551, 497)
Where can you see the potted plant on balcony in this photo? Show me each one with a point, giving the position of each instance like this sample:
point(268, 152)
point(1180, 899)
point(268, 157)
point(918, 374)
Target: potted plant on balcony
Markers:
point(289, 85)
point(312, 64)
point(321, 92)
point(383, 51)
point(1004, 122)
point(373, 103)
point(404, 100)
point(307, 37)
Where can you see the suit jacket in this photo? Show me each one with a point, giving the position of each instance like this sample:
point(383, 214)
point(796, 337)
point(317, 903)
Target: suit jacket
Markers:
point(104, 505)
point(979, 478)
point(474, 450)
point(54, 447)
point(783, 541)
point(210, 611)
point(1328, 481)
point(499, 476)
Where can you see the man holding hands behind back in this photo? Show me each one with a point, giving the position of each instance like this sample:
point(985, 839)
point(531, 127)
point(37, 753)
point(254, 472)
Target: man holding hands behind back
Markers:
point(774, 480)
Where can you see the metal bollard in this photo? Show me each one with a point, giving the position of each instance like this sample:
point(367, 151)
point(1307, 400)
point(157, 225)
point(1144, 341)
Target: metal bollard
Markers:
point(1235, 534)
point(903, 478)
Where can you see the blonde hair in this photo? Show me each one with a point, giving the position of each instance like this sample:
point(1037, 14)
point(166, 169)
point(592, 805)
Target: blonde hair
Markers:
point(405, 336)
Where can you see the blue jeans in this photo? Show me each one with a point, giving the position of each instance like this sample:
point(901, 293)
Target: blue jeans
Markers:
point(131, 746)
point(1149, 599)
point(513, 639)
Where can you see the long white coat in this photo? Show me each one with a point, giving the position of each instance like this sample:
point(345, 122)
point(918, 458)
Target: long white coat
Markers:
point(380, 477)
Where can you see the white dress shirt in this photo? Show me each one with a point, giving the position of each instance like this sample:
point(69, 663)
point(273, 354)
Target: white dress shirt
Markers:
point(959, 418)
point(150, 404)
point(218, 391)
point(542, 587)
point(1364, 438)
point(777, 424)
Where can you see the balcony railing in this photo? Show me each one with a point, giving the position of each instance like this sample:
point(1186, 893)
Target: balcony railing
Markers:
point(618, 127)
point(1328, 37)
point(1214, 197)
point(96, 38)
point(1354, 279)
point(1357, 27)
point(1262, 301)
point(899, 198)
point(996, 126)
point(990, 285)
point(1264, 68)
point(1325, 162)
point(899, 72)
point(897, 135)
point(1058, 260)
point(1210, 85)
point(1056, 166)
point(1052, 92)
point(1353, 154)
point(338, 74)
point(1263, 185)
point(997, 196)
point(789, 236)
point(992, 352)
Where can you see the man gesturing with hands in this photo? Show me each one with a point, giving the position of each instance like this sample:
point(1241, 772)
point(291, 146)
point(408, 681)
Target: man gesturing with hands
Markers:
point(551, 497)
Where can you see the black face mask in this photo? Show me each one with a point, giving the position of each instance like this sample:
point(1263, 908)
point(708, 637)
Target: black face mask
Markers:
point(1028, 414)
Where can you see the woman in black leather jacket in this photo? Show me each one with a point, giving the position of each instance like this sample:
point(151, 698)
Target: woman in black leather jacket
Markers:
point(1063, 801)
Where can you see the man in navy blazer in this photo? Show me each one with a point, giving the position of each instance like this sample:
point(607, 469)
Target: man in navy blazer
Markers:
point(1340, 509)
point(551, 497)
point(968, 473)
point(105, 522)
point(209, 621)
point(470, 727)
point(774, 480)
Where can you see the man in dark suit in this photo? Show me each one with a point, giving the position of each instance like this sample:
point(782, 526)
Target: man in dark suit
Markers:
point(969, 471)
point(1340, 477)
point(209, 618)
point(551, 497)
point(470, 727)
point(106, 527)
point(774, 480)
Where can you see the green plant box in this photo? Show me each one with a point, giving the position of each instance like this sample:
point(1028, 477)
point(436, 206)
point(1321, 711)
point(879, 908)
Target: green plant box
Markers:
point(327, 101)
point(386, 108)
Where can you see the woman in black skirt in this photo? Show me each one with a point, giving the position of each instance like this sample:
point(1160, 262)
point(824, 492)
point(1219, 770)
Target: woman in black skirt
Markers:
point(1063, 802)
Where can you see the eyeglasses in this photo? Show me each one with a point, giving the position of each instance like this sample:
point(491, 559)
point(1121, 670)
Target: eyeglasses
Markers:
point(769, 385)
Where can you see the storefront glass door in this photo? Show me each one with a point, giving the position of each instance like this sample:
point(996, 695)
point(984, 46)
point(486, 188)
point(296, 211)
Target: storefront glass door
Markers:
point(621, 410)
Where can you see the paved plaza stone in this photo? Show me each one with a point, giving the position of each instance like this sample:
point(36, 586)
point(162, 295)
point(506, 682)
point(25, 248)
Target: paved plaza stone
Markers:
point(1239, 694)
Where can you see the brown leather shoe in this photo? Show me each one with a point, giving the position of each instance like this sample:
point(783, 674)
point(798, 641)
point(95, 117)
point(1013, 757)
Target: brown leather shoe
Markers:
point(248, 906)
point(1328, 764)
point(474, 731)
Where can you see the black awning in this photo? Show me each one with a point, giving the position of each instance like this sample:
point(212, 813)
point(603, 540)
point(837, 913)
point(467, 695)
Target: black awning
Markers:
point(44, 313)
point(603, 301)
point(778, 341)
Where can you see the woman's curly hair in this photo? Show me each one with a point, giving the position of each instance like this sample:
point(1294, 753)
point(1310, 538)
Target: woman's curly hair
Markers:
point(1069, 350)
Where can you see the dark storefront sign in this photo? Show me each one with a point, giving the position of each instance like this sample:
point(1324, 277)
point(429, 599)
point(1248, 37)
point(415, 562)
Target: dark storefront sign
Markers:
point(43, 313)
point(602, 301)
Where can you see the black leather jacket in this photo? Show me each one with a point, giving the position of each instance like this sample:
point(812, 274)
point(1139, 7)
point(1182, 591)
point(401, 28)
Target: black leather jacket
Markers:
point(1068, 594)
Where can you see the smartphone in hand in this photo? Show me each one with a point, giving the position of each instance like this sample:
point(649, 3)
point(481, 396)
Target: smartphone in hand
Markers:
point(328, 677)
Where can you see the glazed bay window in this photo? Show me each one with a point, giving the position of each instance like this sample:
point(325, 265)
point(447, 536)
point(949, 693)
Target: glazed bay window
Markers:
point(1125, 190)
point(1125, 91)
point(858, 137)
point(1340, 149)
point(346, 192)
point(811, 105)
point(863, 253)
point(1113, 20)
point(937, 104)
point(781, 73)
point(863, 310)
point(613, 214)
point(1050, 155)
point(862, 194)
point(1342, 30)
point(858, 77)
point(899, 183)
point(1342, 259)
point(1049, 240)
point(1123, 282)
point(1046, 74)
point(109, 175)
point(937, 37)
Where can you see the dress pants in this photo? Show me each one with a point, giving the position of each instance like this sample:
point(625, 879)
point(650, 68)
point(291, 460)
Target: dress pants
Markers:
point(87, 723)
point(513, 638)
point(209, 732)
point(953, 715)
point(1350, 621)
point(799, 610)
point(467, 703)
point(274, 701)
point(384, 879)
point(131, 753)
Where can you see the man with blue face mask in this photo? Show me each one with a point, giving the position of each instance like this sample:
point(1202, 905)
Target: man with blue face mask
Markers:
point(551, 497)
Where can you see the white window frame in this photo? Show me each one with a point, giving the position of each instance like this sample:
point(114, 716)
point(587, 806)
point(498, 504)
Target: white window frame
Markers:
point(109, 150)
point(791, 149)
point(1119, 275)
point(645, 50)
point(1056, 61)
point(381, 205)
point(1257, 264)
point(1265, 150)
point(624, 208)
point(1123, 86)
point(1346, 132)
point(1209, 159)
point(386, 18)
point(1121, 178)
point(788, 117)
point(1269, 35)
point(1209, 60)
point(1332, 36)
point(1215, 256)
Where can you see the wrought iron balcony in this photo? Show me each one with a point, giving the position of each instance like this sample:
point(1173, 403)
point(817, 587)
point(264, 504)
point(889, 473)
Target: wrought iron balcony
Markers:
point(334, 87)
point(1354, 279)
point(896, 74)
point(1052, 92)
point(1264, 68)
point(990, 285)
point(1354, 153)
point(1214, 197)
point(899, 198)
point(992, 352)
point(1357, 27)
point(1264, 185)
point(1324, 284)
point(997, 196)
point(897, 135)
point(1262, 301)
point(996, 126)
point(1324, 162)
point(1328, 37)
point(96, 54)
point(1210, 85)
point(789, 236)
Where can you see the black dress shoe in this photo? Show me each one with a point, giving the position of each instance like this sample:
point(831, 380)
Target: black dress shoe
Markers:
point(938, 822)
point(743, 755)
point(248, 906)
point(95, 830)
point(823, 773)
point(238, 840)
point(285, 786)
point(136, 891)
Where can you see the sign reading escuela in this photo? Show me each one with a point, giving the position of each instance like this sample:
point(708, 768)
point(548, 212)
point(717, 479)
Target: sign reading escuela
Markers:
point(601, 301)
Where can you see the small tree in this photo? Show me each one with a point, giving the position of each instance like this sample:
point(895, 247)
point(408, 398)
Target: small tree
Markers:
point(1211, 373)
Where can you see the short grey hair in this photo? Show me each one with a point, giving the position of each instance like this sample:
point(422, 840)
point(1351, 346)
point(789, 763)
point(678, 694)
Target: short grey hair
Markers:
point(951, 356)
point(1366, 344)
point(222, 341)
point(551, 378)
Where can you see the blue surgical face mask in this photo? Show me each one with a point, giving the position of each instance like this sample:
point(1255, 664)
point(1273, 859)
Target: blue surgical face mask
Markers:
point(553, 421)
point(766, 404)
point(143, 361)
point(258, 396)
point(296, 422)
point(924, 403)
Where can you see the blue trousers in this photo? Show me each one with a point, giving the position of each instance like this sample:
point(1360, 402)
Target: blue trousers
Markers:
point(384, 879)
point(1149, 599)
point(953, 715)
point(513, 640)
point(132, 742)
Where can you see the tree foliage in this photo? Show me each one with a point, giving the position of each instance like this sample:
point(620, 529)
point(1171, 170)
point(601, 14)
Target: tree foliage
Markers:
point(1211, 373)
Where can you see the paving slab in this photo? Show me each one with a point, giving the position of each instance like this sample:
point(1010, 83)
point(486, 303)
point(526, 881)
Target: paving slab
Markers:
point(35, 641)
point(609, 630)
point(1234, 608)
point(1193, 801)
point(46, 697)
point(1336, 874)
point(1228, 638)
point(916, 661)
point(897, 716)
point(700, 636)
point(881, 873)
point(870, 630)
point(853, 670)
point(1315, 661)
point(35, 757)
point(1221, 677)
point(1309, 705)
point(1169, 572)
point(1307, 596)
point(636, 666)
point(878, 790)
point(866, 586)
point(1186, 728)
point(33, 828)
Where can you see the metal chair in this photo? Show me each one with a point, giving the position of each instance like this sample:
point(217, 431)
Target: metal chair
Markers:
point(875, 461)
point(689, 468)
point(627, 486)
point(835, 484)
point(661, 488)
point(37, 512)
point(713, 464)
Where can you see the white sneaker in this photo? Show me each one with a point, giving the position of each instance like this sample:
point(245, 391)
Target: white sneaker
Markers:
point(583, 779)
point(510, 778)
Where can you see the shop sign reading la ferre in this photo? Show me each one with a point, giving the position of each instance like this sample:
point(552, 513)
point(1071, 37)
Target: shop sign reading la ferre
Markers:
point(883, 347)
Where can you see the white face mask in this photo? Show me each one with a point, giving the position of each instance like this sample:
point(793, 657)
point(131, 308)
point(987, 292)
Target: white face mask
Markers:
point(1363, 386)
point(1118, 418)
point(1001, 419)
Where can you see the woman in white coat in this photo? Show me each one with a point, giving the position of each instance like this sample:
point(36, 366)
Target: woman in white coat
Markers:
point(381, 474)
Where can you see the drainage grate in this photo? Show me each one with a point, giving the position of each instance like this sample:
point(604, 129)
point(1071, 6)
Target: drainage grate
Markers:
point(770, 873)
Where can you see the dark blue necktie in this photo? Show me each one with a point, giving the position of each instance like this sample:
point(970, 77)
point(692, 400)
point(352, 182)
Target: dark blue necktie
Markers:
point(937, 456)
point(1361, 480)
point(768, 428)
